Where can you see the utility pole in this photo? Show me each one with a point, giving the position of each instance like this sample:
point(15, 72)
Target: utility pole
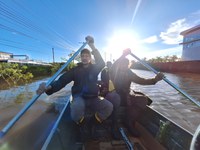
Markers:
point(53, 55)
point(105, 56)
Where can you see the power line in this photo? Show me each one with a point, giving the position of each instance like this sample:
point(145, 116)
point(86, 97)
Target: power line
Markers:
point(24, 49)
point(65, 41)
point(25, 22)
point(13, 18)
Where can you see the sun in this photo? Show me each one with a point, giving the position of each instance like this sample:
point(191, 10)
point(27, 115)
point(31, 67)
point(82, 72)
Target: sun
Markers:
point(119, 41)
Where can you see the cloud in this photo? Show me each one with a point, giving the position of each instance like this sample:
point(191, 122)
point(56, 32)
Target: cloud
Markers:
point(151, 39)
point(172, 34)
point(162, 52)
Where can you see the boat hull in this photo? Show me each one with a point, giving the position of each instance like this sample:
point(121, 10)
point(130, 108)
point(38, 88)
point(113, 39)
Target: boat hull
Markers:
point(157, 132)
point(166, 132)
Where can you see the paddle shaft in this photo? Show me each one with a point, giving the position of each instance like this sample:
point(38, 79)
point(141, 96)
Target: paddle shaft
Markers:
point(166, 80)
point(28, 105)
point(53, 130)
point(125, 139)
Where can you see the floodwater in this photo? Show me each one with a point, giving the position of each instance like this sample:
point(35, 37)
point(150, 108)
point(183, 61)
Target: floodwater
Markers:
point(33, 127)
point(38, 120)
point(169, 102)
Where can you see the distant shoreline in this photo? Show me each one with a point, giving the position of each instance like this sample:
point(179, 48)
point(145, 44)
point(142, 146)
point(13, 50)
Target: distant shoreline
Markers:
point(172, 67)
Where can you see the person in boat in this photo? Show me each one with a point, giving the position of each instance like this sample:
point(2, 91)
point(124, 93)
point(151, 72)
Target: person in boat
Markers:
point(107, 90)
point(105, 78)
point(122, 78)
point(85, 89)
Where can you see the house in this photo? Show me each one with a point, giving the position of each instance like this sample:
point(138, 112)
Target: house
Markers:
point(10, 58)
point(4, 56)
point(191, 44)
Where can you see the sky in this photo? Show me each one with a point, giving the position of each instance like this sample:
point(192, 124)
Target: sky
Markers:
point(150, 28)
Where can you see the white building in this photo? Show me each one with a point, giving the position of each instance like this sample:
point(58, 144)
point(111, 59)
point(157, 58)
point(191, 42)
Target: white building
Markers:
point(4, 56)
point(10, 58)
point(191, 44)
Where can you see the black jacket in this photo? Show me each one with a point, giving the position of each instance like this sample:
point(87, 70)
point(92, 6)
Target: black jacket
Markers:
point(105, 77)
point(122, 79)
point(85, 79)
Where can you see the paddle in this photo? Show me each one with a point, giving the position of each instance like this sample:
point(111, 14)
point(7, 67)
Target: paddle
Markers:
point(166, 80)
point(28, 105)
point(53, 130)
point(126, 140)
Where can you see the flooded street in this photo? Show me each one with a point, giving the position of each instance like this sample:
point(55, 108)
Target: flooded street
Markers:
point(38, 120)
point(20, 94)
point(169, 102)
point(33, 127)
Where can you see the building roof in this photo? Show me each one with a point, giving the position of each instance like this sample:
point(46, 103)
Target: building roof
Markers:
point(6, 53)
point(195, 28)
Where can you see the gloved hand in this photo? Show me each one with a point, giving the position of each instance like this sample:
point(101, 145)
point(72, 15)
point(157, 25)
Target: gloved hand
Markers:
point(126, 52)
point(89, 39)
point(42, 88)
point(159, 76)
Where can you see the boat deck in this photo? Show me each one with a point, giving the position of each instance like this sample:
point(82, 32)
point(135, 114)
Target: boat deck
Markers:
point(65, 139)
point(157, 133)
point(68, 133)
point(145, 142)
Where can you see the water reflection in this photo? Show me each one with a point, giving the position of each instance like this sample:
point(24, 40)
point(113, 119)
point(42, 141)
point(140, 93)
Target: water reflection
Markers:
point(170, 102)
point(189, 83)
point(20, 94)
point(30, 131)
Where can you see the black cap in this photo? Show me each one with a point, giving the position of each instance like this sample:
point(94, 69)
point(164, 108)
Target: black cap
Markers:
point(86, 51)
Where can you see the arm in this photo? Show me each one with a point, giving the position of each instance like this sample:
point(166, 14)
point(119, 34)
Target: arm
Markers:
point(132, 76)
point(57, 85)
point(119, 60)
point(100, 64)
point(114, 70)
point(143, 81)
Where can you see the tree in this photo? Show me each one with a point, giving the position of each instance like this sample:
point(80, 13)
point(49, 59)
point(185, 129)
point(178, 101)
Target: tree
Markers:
point(174, 58)
point(144, 59)
point(77, 58)
point(164, 59)
point(14, 74)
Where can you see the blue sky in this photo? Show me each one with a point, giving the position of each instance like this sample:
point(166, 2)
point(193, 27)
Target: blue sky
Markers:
point(149, 27)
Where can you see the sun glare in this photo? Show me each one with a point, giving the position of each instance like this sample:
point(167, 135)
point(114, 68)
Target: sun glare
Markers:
point(121, 40)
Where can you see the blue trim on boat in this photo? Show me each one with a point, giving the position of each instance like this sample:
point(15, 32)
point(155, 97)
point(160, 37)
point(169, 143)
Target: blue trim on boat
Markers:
point(46, 143)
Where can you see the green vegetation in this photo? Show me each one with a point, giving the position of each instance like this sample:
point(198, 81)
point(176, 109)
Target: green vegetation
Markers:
point(173, 58)
point(163, 133)
point(14, 74)
point(152, 61)
point(56, 66)
point(38, 71)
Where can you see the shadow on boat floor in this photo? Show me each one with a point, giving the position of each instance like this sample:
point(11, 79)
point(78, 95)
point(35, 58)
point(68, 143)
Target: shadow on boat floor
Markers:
point(67, 134)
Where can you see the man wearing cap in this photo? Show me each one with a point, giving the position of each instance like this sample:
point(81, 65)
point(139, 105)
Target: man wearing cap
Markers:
point(84, 90)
